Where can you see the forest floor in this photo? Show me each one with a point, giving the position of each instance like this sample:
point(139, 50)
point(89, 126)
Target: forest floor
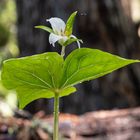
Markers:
point(121, 124)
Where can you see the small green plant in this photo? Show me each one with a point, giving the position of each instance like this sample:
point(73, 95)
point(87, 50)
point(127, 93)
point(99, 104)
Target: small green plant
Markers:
point(48, 75)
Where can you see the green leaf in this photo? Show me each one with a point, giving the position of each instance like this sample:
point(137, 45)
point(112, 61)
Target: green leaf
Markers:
point(87, 64)
point(71, 40)
point(69, 24)
point(34, 77)
point(43, 75)
point(30, 93)
point(44, 28)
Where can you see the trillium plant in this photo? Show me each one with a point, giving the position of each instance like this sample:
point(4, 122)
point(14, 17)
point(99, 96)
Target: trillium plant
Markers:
point(49, 75)
point(61, 32)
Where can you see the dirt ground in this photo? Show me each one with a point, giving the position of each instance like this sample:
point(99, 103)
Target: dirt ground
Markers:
point(121, 124)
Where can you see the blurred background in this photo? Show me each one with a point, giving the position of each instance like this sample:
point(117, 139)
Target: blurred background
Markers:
point(109, 25)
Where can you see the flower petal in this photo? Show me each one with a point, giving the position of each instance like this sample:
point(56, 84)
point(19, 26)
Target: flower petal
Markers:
point(53, 38)
point(58, 25)
point(78, 42)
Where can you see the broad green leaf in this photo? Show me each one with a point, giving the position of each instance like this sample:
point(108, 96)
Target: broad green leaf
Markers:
point(69, 24)
point(42, 75)
point(30, 93)
point(34, 77)
point(87, 64)
point(44, 28)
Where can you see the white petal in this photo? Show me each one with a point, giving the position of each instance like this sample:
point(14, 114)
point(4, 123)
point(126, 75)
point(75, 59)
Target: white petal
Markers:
point(58, 25)
point(78, 43)
point(53, 38)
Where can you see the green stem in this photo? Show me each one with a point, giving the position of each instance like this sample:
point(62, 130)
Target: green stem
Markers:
point(56, 108)
point(56, 117)
point(63, 51)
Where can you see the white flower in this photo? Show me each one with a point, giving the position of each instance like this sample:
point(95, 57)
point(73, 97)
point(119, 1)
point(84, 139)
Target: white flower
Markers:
point(59, 27)
point(61, 32)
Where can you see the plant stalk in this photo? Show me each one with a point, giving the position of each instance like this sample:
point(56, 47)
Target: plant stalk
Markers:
point(63, 51)
point(56, 108)
point(56, 117)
